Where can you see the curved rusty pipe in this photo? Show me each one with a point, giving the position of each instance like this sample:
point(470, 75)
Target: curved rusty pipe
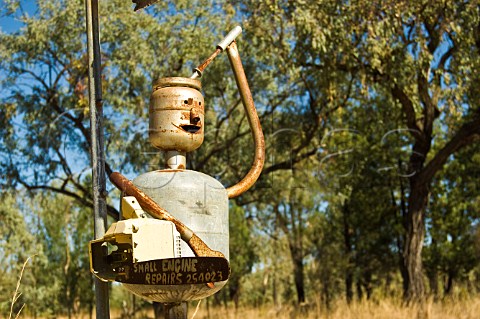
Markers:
point(254, 122)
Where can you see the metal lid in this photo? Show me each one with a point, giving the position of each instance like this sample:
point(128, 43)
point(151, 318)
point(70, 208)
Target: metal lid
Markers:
point(177, 81)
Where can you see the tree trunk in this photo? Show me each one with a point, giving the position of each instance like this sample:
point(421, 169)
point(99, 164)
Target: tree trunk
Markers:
point(401, 239)
point(158, 310)
point(433, 281)
point(367, 284)
point(417, 203)
point(349, 286)
point(234, 292)
point(274, 291)
point(208, 308)
point(299, 279)
point(295, 245)
point(449, 283)
point(348, 252)
point(421, 175)
point(359, 290)
point(326, 293)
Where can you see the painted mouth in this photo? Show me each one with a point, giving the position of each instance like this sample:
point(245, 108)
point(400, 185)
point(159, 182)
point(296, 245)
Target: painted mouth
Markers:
point(191, 128)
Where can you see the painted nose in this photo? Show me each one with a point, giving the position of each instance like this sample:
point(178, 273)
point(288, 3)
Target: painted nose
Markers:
point(194, 117)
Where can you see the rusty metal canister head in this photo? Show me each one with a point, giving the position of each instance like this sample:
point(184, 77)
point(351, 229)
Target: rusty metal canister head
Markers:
point(176, 114)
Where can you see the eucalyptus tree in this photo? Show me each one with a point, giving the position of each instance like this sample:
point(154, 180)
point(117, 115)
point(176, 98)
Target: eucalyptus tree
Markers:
point(17, 244)
point(45, 141)
point(44, 132)
point(53, 235)
point(450, 252)
point(243, 250)
point(415, 61)
point(44, 124)
point(422, 55)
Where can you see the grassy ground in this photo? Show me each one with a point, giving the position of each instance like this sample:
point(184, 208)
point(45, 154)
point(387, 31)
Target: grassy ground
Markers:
point(468, 308)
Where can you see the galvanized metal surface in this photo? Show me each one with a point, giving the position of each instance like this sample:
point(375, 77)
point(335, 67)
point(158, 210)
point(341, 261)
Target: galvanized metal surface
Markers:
point(199, 201)
point(196, 199)
point(176, 114)
point(97, 145)
point(197, 245)
point(176, 160)
point(173, 293)
point(253, 120)
point(231, 36)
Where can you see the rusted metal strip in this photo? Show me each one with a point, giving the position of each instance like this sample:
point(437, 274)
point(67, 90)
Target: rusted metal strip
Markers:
point(253, 120)
point(198, 71)
point(198, 246)
point(221, 46)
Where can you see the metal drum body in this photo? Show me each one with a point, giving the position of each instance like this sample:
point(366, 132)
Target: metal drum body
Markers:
point(176, 114)
point(201, 203)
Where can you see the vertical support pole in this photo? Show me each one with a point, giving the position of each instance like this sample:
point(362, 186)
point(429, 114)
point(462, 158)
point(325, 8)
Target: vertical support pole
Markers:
point(97, 145)
point(176, 311)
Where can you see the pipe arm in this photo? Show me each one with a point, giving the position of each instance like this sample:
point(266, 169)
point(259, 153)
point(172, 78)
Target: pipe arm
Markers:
point(254, 122)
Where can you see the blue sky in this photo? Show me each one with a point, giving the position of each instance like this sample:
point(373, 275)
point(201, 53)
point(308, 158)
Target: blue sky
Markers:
point(12, 24)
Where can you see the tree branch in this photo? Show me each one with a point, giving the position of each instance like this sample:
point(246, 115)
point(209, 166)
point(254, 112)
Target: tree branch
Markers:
point(467, 134)
point(408, 110)
point(430, 110)
point(114, 213)
point(290, 163)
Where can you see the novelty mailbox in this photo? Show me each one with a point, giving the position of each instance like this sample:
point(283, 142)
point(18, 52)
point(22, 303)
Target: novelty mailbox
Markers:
point(171, 244)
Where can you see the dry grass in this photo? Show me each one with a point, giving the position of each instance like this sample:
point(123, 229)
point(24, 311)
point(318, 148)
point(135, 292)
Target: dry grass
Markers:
point(17, 293)
point(468, 308)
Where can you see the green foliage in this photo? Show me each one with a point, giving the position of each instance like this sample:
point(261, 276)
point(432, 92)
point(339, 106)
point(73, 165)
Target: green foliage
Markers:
point(454, 209)
point(54, 233)
point(14, 234)
point(243, 251)
point(358, 102)
point(242, 244)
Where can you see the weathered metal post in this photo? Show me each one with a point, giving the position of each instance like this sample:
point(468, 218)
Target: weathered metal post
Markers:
point(97, 145)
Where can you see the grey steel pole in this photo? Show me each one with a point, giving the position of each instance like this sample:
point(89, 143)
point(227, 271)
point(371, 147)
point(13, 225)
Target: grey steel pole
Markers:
point(97, 145)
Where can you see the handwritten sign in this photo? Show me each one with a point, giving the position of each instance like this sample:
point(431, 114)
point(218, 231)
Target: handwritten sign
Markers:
point(174, 271)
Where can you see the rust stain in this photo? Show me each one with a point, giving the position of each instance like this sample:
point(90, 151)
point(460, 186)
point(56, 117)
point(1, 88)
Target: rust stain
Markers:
point(185, 115)
point(254, 122)
point(208, 60)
